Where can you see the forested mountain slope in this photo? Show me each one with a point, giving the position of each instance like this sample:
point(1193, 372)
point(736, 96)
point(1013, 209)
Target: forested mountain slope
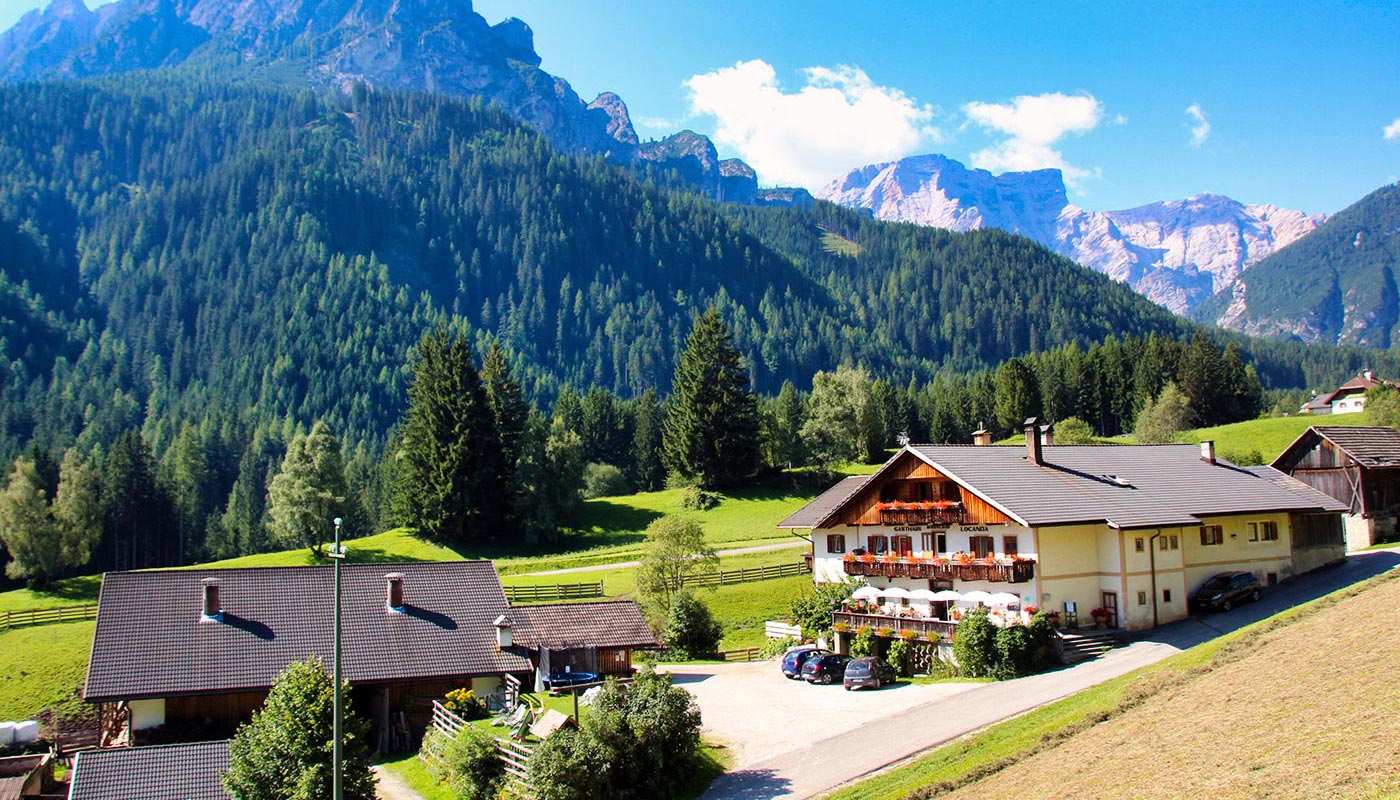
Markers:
point(188, 247)
point(1338, 285)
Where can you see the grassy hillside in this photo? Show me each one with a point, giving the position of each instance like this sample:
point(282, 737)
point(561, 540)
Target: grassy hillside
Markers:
point(43, 667)
point(1235, 717)
point(1266, 437)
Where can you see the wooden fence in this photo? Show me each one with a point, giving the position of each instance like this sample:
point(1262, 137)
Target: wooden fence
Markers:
point(514, 755)
point(553, 591)
point(726, 577)
point(745, 654)
point(46, 616)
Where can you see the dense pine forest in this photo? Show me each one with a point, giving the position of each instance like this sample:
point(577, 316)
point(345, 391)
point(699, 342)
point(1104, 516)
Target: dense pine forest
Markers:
point(193, 273)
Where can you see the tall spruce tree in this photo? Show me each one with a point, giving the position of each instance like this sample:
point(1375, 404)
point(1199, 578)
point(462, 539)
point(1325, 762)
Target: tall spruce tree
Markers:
point(711, 432)
point(648, 471)
point(508, 406)
point(449, 481)
point(139, 525)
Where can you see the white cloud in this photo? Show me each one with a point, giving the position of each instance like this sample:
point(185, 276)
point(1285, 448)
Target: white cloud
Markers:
point(1033, 124)
point(655, 124)
point(1200, 127)
point(1392, 131)
point(838, 120)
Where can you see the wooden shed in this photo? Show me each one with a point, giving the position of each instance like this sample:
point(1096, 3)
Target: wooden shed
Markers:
point(1356, 465)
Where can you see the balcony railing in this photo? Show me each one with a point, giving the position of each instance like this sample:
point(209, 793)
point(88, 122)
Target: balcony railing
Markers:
point(930, 513)
point(1001, 570)
point(897, 625)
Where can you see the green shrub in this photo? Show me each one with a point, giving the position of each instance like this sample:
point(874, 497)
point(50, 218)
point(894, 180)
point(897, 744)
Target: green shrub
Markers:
point(697, 499)
point(776, 647)
point(898, 656)
point(604, 480)
point(691, 627)
point(467, 763)
point(465, 704)
point(864, 644)
point(639, 742)
point(811, 611)
point(975, 645)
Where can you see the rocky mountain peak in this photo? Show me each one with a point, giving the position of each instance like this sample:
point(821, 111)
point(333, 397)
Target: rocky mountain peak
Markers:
point(618, 122)
point(1177, 253)
point(517, 40)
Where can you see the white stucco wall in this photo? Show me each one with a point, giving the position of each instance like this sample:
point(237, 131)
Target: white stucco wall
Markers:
point(147, 714)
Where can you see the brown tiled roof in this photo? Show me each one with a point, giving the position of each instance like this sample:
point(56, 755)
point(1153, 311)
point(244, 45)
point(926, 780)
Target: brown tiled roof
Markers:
point(152, 642)
point(608, 624)
point(1126, 486)
point(812, 514)
point(1372, 446)
point(1326, 502)
point(167, 772)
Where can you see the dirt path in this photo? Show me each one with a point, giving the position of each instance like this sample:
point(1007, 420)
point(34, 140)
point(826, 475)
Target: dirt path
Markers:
point(388, 786)
point(763, 548)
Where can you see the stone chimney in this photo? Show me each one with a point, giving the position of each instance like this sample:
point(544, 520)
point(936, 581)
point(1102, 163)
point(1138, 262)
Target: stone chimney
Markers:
point(982, 437)
point(213, 610)
point(505, 634)
point(1208, 451)
point(1033, 451)
point(1047, 435)
point(1368, 375)
point(394, 593)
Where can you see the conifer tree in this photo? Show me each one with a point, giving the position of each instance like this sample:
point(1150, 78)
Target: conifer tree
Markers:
point(448, 482)
point(26, 528)
point(138, 514)
point(508, 406)
point(711, 432)
point(648, 471)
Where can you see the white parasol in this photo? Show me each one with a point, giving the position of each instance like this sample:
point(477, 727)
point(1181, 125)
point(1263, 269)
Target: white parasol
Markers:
point(865, 593)
point(922, 596)
point(895, 593)
point(947, 595)
point(977, 596)
point(1005, 599)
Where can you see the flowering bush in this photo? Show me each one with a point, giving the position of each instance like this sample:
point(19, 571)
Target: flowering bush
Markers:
point(1099, 612)
point(917, 505)
point(465, 704)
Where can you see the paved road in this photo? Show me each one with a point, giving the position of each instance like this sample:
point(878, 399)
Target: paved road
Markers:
point(827, 764)
point(763, 548)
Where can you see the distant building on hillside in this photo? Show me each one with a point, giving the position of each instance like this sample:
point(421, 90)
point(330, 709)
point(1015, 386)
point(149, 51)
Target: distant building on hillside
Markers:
point(1349, 398)
point(1130, 530)
point(1360, 467)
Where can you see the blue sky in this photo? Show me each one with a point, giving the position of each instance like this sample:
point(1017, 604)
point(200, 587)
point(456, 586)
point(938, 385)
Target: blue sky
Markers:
point(1291, 101)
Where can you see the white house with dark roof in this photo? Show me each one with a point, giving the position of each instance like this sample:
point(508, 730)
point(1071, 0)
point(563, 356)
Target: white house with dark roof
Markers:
point(1130, 529)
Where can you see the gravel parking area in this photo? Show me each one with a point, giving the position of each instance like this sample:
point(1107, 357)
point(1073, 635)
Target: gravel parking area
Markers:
point(756, 712)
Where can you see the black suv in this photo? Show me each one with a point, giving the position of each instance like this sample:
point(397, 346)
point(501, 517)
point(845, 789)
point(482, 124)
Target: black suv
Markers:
point(862, 672)
point(1224, 591)
point(827, 668)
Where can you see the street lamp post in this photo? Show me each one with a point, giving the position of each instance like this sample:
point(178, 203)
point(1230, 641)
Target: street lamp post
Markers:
point(337, 767)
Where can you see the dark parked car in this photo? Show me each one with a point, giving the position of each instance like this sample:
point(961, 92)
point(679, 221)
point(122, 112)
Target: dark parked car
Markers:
point(795, 657)
point(825, 668)
point(1226, 590)
point(873, 672)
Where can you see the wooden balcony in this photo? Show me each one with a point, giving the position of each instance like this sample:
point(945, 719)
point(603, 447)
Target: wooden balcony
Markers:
point(914, 514)
point(898, 625)
point(1002, 570)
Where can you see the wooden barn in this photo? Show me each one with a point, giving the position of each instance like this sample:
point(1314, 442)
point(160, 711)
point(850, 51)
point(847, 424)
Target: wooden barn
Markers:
point(1359, 466)
point(187, 655)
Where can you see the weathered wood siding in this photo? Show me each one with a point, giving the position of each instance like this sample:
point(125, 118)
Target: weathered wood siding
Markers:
point(218, 715)
point(863, 509)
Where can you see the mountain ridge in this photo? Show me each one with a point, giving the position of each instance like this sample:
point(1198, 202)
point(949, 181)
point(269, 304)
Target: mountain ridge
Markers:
point(1177, 253)
point(393, 44)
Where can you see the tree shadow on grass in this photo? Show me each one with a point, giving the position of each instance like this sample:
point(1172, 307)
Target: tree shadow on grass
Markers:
point(749, 784)
point(375, 555)
point(607, 519)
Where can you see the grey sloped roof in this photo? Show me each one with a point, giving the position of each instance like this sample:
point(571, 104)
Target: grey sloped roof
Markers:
point(166, 772)
point(1167, 485)
point(151, 642)
point(1372, 446)
point(616, 623)
point(812, 514)
point(1325, 502)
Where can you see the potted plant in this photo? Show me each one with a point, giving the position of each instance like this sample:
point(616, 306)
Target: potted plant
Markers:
point(840, 627)
point(884, 632)
point(909, 635)
point(1100, 616)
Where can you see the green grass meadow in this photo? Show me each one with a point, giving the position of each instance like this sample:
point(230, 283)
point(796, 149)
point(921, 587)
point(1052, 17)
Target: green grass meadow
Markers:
point(43, 667)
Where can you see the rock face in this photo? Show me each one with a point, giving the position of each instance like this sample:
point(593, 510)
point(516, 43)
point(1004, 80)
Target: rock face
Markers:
point(401, 44)
point(1337, 286)
point(1176, 253)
